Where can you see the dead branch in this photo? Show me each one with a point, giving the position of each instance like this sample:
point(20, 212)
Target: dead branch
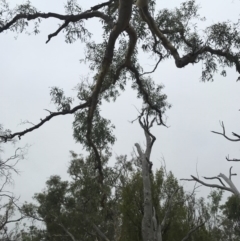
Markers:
point(230, 183)
point(232, 160)
point(210, 185)
point(231, 174)
point(156, 52)
point(57, 31)
point(67, 232)
point(3, 224)
point(231, 187)
point(169, 207)
point(219, 179)
point(99, 232)
point(150, 228)
point(26, 122)
point(192, 231)
point(144, 123)
point(224, 134)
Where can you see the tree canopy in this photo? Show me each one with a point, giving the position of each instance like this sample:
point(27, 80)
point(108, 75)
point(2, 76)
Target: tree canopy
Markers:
point(128, 29)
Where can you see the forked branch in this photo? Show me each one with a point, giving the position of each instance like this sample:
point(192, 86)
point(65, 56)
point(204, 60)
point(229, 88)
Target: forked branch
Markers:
point(223, 133)
point(221, 177)
point(125, 12)
point(192, 56)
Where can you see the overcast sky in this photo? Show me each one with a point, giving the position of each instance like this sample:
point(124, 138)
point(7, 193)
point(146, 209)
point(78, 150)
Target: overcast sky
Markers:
point(29, 67)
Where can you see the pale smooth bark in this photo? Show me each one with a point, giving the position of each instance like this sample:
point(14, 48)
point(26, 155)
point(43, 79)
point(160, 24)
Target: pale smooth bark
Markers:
point(151, 230)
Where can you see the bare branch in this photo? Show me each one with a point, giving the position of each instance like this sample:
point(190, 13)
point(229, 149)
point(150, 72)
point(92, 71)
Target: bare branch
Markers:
point(170, 202)
point(57, 31)
point(211, 185)
point(186, 179)
point(232, 188)
point(2, 225)
point(234, 134)
point(99, 232)
point(155, 67)
point(160, 58)
point(231, 174)
point(230, 183)
point(219, 179)
point(68, 233)
point(232, 160)
point(26, 122)
point(223, 133)
point(192, 231)
point(149, 136)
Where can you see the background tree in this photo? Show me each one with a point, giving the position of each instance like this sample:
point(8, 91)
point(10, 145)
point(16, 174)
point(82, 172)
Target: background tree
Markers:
point(10, 212)
point(231, 211)
point(74, 210)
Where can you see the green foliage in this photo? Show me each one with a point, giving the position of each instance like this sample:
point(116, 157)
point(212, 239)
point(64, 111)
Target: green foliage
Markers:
point(102, 131)
point(168, 197)
point(231, 209)
point(7, 14)
point(75, 206)
point(75, 30)
point(62, 102)
point(132, 208)
point(33, 234)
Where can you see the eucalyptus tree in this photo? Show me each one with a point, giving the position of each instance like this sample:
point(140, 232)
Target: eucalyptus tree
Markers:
point(153, 224)
point(127, 29)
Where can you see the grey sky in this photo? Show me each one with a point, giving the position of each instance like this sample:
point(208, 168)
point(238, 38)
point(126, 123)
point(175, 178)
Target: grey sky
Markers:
point(29, 67)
